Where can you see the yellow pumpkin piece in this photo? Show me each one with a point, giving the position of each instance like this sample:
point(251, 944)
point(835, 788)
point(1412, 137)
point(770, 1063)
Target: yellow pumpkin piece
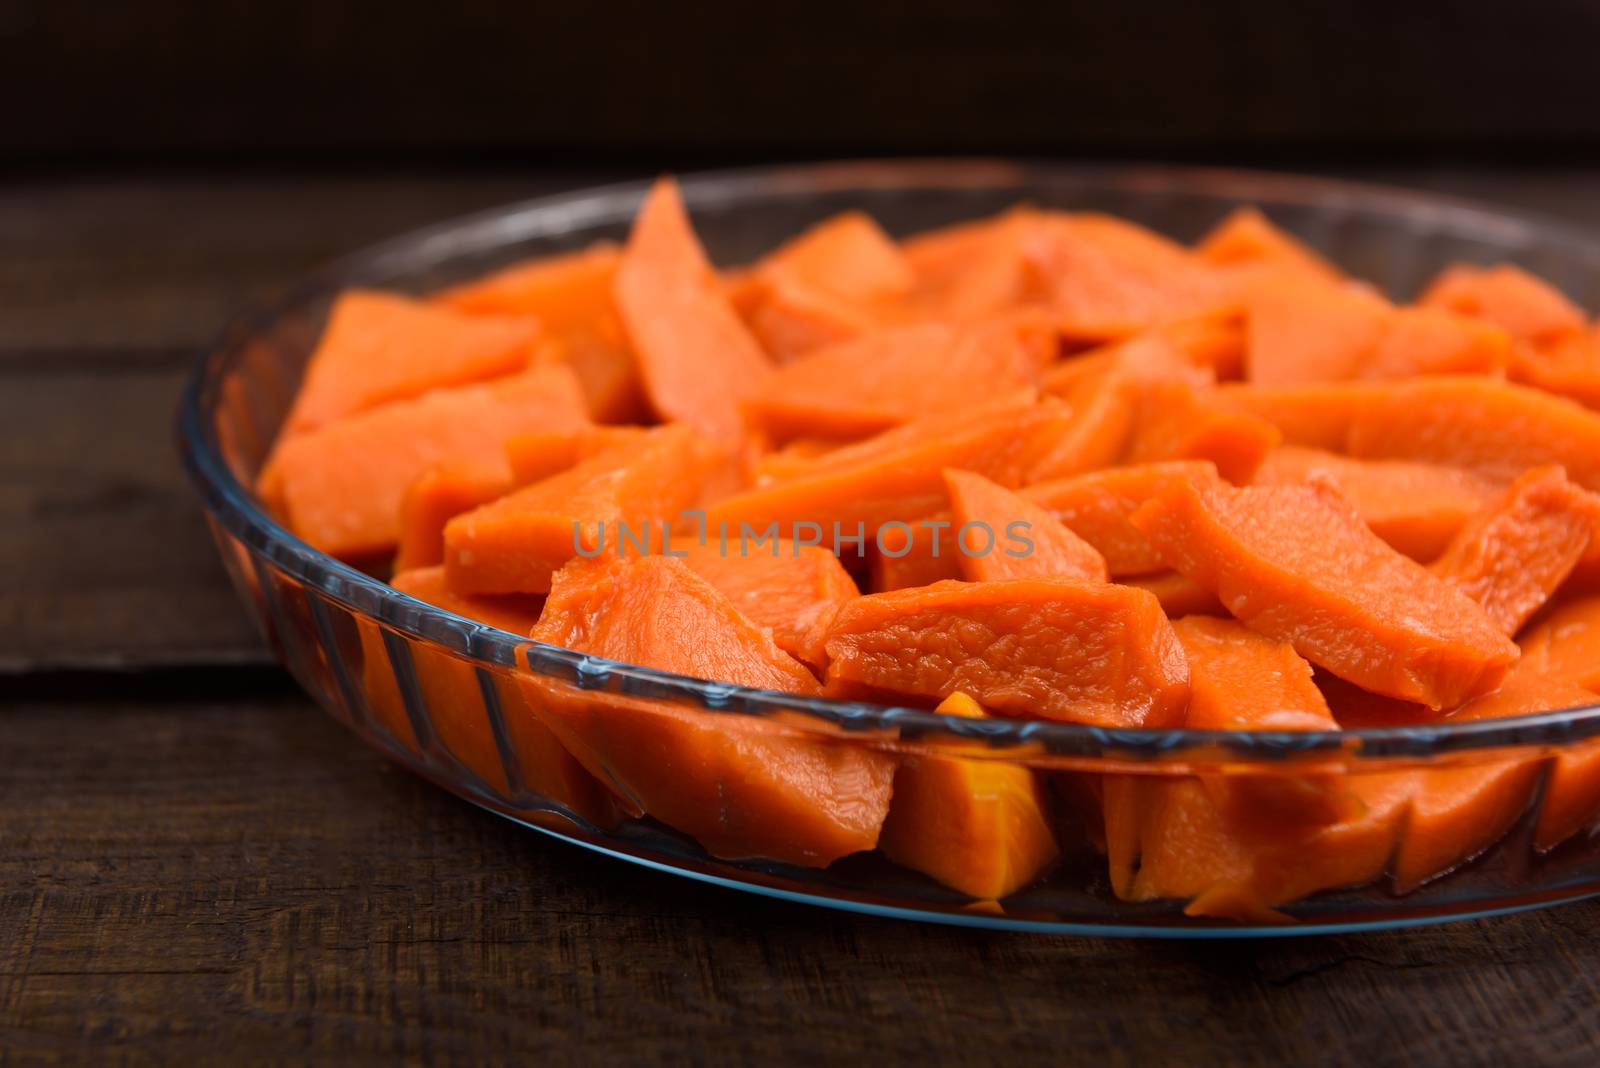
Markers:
point(980, 827)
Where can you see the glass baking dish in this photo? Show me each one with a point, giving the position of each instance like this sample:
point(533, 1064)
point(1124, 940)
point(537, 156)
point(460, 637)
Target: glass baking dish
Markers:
point(467, 706)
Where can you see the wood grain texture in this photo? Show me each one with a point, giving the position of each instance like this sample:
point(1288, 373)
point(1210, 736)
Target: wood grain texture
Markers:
point(158, 261)
point(194, 877)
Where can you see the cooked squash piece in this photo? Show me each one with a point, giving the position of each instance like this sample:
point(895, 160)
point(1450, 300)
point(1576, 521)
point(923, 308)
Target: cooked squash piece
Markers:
point(848, 255)
point(435, 497)
point(564, 291)
point(1096, 507)
point(1572, 791)
point(1175, 840)
point(452, 695)
point(1317, 416)
point(1122, 388)
point(790, 459)
point(1179, 595)
point(622, 500)
point(1239, 680)
point(1527, 308)
point(1297, 564)
point(1198, 350)
point(828, 285)
point(1564, 642)
point(1084, 652)
point(339, 488)
point(790, 319)
point(1513, 554)
point(606, 369)
point(1218, 838)
point(570, 296)
point(1569, 365)
point(1312, 332)
point(697, 360)
point(1415, 507)
point(1457, 813)
point(537, 456)
point(978, 826)
point(973, 270)
point(1011, 537)
point(1351, 852)
point(1247, 238)
point(1426, 341)
point(1560, 669)
point(863, 386)
point(897, 476)
point(1168, 838)
point(513, 614)
point(740, 787)
point(919, 554)
point(1102, 404)
point(383, 347)
point(1181, 424)
point(1357, 709)
point(1494, 428)
point(1080, 372)
point(649, 610)
point(1105, 278)
point(1302, 333)
point(791, 589)
point(1213, 341)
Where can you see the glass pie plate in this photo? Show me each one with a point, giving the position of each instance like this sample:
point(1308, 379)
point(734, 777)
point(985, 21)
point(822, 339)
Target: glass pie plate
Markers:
point(466, 705)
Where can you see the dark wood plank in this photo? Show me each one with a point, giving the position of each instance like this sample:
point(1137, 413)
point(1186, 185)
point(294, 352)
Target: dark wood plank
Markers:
point(163, 260)
point(186, 877)
point(109, 286)
point(108, 561)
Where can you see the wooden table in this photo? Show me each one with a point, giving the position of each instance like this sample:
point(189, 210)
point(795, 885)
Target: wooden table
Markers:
point(195, 860)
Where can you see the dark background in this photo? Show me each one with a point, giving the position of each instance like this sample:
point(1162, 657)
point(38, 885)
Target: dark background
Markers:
point(178, 82)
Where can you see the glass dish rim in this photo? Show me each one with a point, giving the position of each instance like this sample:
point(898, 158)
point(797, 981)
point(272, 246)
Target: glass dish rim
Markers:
point(234, 506)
